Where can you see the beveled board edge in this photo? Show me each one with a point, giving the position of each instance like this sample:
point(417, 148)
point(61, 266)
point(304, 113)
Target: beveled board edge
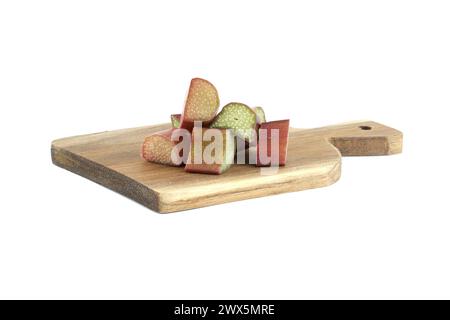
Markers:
point(106, 177)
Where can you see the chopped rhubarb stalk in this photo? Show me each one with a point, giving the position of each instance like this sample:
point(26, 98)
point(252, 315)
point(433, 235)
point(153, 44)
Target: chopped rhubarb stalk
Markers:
point(202, 103)
point(176, 120)
point(158, 148)
point(265, 156)
point(260, 115)
point(212, 151)
point(238, 117)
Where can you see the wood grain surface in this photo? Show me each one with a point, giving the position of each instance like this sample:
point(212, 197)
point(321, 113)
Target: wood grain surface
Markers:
point(112, 159)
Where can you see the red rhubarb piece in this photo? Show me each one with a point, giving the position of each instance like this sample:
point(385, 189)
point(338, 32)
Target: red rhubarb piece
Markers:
point(264, 149)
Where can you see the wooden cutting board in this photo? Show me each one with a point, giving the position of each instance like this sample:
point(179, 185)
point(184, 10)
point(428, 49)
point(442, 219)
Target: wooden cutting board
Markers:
point(112, 159)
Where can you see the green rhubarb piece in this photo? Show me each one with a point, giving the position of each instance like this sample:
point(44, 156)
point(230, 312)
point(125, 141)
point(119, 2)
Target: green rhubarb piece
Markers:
point(238, 117)
point(176, 120)
point(260, 115)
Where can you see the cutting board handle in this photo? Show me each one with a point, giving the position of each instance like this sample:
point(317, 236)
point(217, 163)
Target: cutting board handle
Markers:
point(365, 138)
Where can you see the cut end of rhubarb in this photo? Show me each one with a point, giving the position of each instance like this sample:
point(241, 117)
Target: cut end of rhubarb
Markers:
point(260, 115)
point(238, 117)
point(212, 151)
point(266, 155)
point(176, 120)
point(202, 103)
point(158, 147)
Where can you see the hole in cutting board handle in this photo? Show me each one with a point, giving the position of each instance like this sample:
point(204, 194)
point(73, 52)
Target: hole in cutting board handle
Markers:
point(365, 127)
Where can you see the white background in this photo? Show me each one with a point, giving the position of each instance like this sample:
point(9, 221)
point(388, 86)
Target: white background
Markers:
point(76, 67)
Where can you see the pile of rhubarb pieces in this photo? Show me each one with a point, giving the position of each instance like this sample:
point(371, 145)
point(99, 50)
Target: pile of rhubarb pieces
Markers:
point(244, 131)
